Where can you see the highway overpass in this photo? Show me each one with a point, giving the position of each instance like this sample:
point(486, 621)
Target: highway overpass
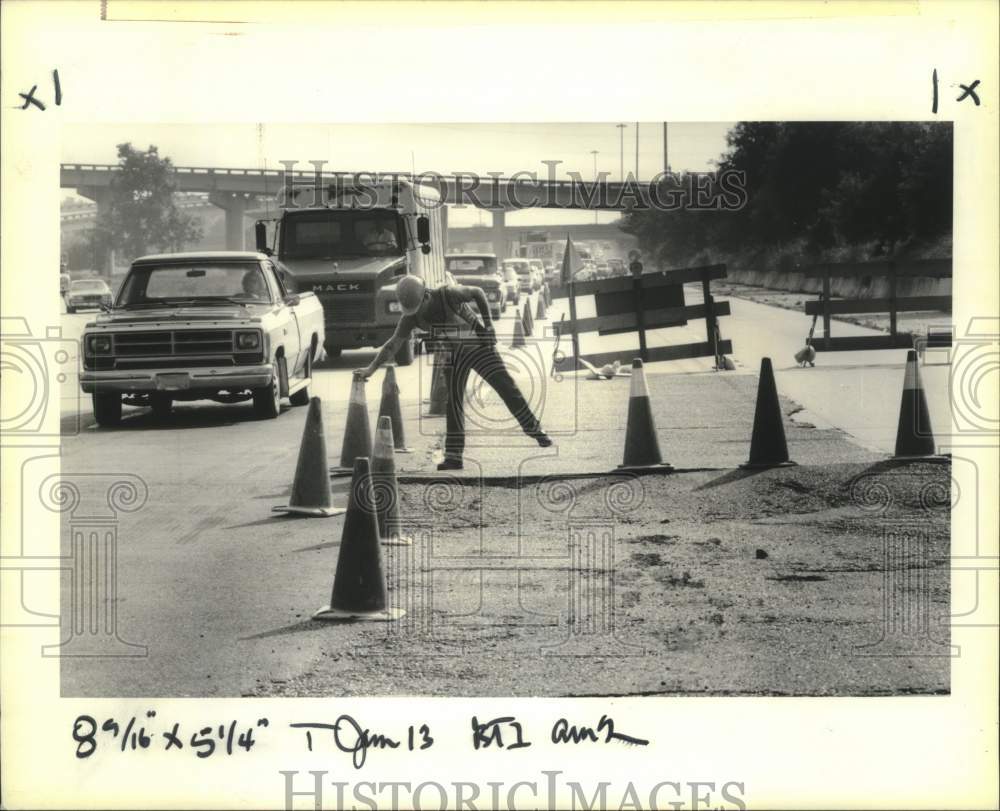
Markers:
point(240, 192)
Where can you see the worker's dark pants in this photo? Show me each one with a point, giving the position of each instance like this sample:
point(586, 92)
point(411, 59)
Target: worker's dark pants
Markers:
point(481, 357)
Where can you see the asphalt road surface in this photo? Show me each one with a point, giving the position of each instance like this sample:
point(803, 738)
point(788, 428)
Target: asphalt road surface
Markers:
point(220, 592)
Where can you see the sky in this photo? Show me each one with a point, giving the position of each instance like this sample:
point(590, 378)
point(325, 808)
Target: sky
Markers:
point(446, 148)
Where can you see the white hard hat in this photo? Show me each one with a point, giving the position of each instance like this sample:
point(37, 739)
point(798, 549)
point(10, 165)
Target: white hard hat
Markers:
point(410, 292)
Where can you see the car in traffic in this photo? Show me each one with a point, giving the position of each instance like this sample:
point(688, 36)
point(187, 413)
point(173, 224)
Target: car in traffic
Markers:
point(83, 294)
point(217, 325)
point(525, 278)
point(480, 270)
point(512, 284)
point(538, 271)
point(616, 266)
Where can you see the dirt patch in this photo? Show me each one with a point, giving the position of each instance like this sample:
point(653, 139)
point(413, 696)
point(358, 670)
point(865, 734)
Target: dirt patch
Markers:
point(529, 602)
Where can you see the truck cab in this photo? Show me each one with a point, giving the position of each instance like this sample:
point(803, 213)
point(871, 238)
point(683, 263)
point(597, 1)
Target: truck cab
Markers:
point(350, 245)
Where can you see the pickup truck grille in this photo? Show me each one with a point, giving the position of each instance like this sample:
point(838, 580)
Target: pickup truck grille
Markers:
point(165, 349)
point(341, 310)
point(173, 343)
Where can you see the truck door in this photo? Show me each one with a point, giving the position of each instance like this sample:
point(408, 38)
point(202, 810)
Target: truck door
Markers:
point(292, 336)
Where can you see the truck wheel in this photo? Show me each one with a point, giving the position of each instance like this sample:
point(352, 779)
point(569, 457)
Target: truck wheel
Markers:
point(404, 357)
point(332, 351)
point(267, 399)
point(162, 407)
point(301, 397)
point(70, 310)
point(107, 408)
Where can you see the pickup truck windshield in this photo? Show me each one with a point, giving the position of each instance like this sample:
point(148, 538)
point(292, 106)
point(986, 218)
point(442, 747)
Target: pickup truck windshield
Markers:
point(341, 234)
point(240, 282)
point(472, 266)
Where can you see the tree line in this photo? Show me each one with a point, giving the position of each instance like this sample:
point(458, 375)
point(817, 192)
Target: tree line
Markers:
point(816, 191)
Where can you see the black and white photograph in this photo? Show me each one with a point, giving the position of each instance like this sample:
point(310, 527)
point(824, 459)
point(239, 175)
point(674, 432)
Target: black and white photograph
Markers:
point(401, 434)
point(663, 424)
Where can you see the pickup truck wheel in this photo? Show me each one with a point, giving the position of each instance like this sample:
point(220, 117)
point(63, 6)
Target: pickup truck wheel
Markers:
point(267, 399)
point(107, 408)
point(70, 310)
point(404, 357)
point(332, 351)
point(301, 397)
point(162, 407)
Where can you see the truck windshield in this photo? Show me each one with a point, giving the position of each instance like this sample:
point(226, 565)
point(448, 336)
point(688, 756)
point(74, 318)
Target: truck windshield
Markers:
point(469, 266)
point(150, 285)
point(341, 234)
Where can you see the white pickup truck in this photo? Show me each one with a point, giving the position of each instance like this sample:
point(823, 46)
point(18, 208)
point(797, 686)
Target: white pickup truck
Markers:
point(193, 326)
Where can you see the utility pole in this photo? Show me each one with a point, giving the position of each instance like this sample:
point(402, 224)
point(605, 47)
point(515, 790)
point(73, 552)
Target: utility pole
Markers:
point(621, 157)
point(637, 150)
point(594, 153)
point(666, 159)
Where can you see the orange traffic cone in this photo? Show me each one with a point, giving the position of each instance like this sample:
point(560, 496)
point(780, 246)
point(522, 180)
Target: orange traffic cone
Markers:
point(385, 486)
point(359, 588)
point(540, 309)
point(526, 320)
point(548, 295)
point(439, 387)
point(357, 432)
point(914, 436)
point(518, 340)
point(767, 443)
point(311, 486)
point(642, 448)
point(389, 407)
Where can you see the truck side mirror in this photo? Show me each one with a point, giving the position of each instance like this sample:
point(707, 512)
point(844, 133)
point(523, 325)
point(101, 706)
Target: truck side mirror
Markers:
point(423, 230)
point(260, 237)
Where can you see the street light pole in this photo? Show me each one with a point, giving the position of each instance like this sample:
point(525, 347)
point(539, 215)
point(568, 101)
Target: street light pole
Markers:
point(594, 153)
point(621, 158)
point(637, 150)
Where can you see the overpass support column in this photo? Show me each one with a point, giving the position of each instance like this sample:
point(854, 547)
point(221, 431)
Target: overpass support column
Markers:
point(498, 234)
point(104, 254)
point(235, 206)
point(444, 229)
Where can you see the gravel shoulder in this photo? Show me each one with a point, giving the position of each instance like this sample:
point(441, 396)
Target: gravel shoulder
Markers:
point(706, 583)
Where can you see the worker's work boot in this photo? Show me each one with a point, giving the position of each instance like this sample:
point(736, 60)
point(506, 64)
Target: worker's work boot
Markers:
point(450, 463)
point(542, 438)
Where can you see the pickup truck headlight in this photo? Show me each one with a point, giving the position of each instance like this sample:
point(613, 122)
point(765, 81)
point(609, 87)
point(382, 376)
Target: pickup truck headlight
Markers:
point(248, 340)
point(98, 344)
point(393, 307)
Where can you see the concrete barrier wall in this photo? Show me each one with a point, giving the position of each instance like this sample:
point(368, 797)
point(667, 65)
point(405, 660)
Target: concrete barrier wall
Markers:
point(851, 287)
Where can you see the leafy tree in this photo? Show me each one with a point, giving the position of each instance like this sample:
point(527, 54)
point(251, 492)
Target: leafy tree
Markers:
point(815, 186)
point(142, 216)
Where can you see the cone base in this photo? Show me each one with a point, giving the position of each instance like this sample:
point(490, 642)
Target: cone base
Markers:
point(661, 467)
point(401, 539)
point(341, 471)
point(766, 465)
point(432, 416)
point(402, 450)
point(310, 512)
point(328, 614)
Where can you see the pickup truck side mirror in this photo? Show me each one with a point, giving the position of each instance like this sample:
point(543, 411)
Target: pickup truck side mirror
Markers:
point(293, 299)
point(260, 237)
point(423, 230)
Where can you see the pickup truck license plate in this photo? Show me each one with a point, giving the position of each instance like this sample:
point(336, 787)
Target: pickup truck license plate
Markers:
point(173, 382)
